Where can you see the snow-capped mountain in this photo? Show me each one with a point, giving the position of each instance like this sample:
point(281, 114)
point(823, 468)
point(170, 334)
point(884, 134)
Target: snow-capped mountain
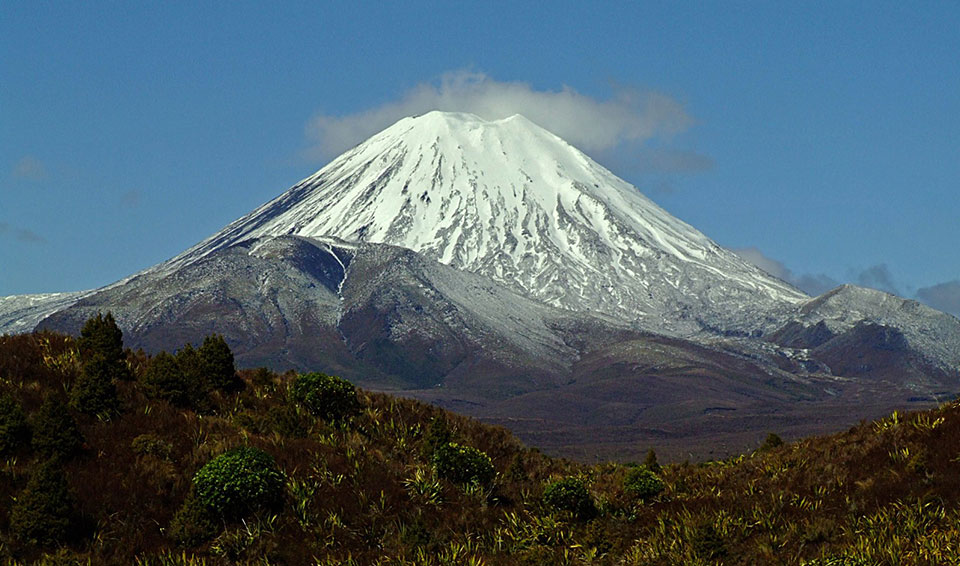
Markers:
point(491, 267)
point(509, 200)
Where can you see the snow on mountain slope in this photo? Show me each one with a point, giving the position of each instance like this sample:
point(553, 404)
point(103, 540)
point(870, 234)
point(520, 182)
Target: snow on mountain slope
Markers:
point(934, 333)
point(511, 201)
point(21, 313)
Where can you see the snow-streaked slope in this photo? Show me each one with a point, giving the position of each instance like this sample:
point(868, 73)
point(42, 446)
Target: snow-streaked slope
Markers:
point(934, 333)
point(511, 201)
point(21, 313)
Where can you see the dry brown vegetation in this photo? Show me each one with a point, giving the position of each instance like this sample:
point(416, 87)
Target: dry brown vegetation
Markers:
point(364, 491)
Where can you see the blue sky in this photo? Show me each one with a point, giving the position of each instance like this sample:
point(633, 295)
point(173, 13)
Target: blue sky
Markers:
point(820, 139)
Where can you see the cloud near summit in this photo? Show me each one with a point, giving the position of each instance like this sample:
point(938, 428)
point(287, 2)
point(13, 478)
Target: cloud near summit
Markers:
point(590, 124)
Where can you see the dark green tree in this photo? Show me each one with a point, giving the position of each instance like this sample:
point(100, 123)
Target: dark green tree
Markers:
point(14, 429)
point(44, 511)
point(102, 339)
point(218, 364)
point(164, 379)
point(192, 367)
point(326, 396)
point(93, 392)
point(101, 347)
point(55, 433)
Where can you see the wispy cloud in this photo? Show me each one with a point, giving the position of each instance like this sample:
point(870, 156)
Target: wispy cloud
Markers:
point(30, 168)
point(810, 283)
point(878, 277)
point(943, 296)
point(593, 125)
point(21, 234)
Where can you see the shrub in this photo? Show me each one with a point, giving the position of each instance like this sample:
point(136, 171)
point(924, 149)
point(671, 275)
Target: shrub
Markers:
point(650, 462)
point(286, 420)
point(151, 445)
point(570, 495)
point(55, 433)
point(43, 513)
point(463, 464)
point(164, 379)
point(94, 392)
point(642, 482)
point(326, 396)
point(438, 434)
point(217, 363)
point(771, 442)
point(239, 481)
point(14, 430)
point(193, 524)
point(263, 377)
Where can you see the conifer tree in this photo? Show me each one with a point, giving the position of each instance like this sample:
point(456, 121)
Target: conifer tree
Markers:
point(217, 362)
point(94, 392)
point(14, 430)
point(44, 511)
point(193, 370)
point(164, 379)
point(101, 338)
point(55, 432)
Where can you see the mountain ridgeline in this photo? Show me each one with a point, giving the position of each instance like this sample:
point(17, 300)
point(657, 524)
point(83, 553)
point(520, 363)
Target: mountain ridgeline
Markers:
point(492, 268)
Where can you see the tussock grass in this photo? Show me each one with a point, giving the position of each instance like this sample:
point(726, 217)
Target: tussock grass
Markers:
point(365, 490)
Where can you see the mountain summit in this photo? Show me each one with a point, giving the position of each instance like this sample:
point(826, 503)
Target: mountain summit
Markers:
point(490, 267)
point(508, 200)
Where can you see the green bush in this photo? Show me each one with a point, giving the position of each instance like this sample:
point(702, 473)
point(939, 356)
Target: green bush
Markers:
point(570, 495)
point(43, 512)
point(330, 397)
point(463, 464)
point(642, 482)
point(55, 433)
point(217, 362)
point(14, 430)
point(238, 482)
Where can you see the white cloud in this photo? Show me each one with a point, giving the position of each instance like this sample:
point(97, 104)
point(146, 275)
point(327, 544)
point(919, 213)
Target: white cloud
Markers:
point(592, 125)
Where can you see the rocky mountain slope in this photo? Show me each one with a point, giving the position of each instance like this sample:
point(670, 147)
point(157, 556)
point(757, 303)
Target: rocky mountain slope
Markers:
point(492, 268)
point(510, 201)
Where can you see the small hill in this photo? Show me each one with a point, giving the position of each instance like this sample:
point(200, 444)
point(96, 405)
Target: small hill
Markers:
point(387, 480)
